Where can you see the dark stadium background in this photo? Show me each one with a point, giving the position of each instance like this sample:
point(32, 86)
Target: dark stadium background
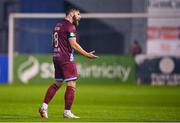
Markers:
point(117, 35)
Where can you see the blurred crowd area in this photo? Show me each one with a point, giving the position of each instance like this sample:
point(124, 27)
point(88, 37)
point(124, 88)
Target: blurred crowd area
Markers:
point(106, 36)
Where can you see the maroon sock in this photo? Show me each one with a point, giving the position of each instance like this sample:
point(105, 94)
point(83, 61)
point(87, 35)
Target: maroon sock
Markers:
point(50, 93)
point(69, 97)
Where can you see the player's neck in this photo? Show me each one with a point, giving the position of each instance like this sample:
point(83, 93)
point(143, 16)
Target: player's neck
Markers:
point(69, 19)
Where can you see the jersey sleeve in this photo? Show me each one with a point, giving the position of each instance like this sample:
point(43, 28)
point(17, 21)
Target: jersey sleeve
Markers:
point(71, 34)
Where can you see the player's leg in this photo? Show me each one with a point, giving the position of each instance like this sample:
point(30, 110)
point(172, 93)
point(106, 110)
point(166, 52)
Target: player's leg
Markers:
point(50, 93)
point(70, 76)
point(69, 95)
point(69, 98)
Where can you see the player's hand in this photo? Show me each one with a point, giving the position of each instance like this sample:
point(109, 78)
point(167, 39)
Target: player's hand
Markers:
point(91, 55)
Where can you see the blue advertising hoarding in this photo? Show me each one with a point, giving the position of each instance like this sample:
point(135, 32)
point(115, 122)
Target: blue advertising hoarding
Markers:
point(3, 69)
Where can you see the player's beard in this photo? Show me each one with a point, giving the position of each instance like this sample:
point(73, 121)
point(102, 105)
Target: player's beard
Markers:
point(75, 21)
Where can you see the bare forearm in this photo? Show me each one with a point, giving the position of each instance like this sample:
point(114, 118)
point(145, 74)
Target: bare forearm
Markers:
point(78, 48)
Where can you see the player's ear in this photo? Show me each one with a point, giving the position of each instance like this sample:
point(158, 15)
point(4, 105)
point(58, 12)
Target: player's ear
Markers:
point(71, 14)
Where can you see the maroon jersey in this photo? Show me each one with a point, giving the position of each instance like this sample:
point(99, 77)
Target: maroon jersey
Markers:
point(63, 31)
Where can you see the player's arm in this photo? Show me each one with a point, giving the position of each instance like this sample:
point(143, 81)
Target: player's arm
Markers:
point(78, 48)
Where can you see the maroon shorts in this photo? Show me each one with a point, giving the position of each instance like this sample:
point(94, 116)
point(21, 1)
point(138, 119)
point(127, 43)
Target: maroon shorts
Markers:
point(65, 71)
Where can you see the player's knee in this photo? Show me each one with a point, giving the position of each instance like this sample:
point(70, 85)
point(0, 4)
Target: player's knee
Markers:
point(71, 83)
point(58, 84)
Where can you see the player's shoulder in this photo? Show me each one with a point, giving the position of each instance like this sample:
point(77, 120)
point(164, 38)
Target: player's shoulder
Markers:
point(60, 23)
point(70, 26)
point(57, 26)
point(66, 25)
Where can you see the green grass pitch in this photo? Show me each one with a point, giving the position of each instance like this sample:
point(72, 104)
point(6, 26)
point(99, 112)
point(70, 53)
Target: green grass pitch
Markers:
point(94, 102)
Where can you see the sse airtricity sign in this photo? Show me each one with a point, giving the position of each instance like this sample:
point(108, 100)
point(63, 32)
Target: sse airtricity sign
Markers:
point(40, 68)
